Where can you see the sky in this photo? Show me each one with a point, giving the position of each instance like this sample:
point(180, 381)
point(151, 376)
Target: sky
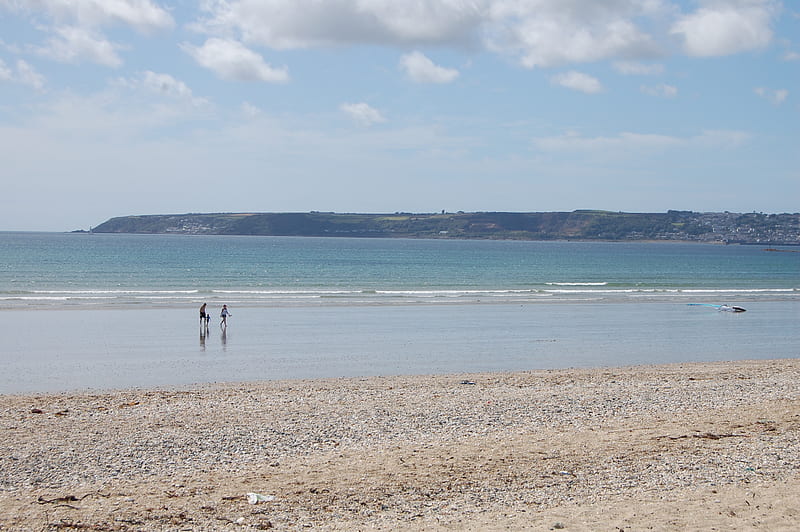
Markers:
point(122, 107)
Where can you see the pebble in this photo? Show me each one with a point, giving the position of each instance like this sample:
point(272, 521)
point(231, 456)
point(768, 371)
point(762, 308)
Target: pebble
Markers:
point(62, 442)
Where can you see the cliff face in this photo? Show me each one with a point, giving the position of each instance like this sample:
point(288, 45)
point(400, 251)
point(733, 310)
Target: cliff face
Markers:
point(580, 225)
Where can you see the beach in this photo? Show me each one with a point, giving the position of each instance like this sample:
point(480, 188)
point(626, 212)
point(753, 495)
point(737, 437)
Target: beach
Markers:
point(691, 446)
point(114, 349)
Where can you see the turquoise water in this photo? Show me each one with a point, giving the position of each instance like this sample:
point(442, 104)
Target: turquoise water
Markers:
point(58, 270)
point(115, 311)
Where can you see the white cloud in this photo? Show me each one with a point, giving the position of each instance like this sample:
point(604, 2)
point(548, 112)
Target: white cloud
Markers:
point(791, 56)
point(726, 27)
point(144, 15)
point(547, 33)
point(126, 109)
point(634, 68)
point(291, 24)
point(24, 74)
point(163, 85)
point(73, 45)
point(777, 97)
point(73, 26)
point(250, 110)
point(631, 142)
point(721, 138)
point(363, 113)
point(572, 141)
point(231, 60)
point(578, 81)
point(422, 70)
point(663, 90)
point(27, 75)
point(540, 33)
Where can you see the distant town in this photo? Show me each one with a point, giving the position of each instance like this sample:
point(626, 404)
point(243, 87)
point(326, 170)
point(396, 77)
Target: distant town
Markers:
point(715, 227)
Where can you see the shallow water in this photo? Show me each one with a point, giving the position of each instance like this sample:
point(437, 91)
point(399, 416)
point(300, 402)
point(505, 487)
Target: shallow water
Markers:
point(59, 350)
point(112, 311)
point(43, 271)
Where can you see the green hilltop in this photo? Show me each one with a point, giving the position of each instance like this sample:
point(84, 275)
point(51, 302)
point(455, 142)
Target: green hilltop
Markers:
point(750, 228)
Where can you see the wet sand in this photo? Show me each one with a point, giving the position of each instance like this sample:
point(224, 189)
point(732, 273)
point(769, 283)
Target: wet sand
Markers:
point(114, 349)
point(676, 447)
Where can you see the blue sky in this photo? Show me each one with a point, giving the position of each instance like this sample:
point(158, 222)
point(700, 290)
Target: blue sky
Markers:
point(117, 107)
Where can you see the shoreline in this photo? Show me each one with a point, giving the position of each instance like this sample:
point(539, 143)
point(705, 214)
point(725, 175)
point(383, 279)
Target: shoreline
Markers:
point(685, 445)
point(107, 350)
point(678, 299)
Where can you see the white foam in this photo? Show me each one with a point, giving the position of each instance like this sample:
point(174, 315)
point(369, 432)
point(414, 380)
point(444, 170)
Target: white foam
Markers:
point(577, 284)
point(114, 292)
point(737, 290)
point(286, 292)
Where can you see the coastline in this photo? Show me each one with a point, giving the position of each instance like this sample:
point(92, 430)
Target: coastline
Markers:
point(578, 224)
point(682, 446)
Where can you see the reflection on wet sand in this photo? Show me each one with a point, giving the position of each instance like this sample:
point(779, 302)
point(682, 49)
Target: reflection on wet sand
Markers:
point(51, 351)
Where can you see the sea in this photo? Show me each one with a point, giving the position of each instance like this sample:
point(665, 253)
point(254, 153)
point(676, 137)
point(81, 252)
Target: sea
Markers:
point(86, 311)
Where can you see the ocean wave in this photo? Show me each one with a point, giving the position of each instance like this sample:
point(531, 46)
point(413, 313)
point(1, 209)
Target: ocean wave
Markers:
point(286, 292)
point(603, 283)
point(114, 292)
point(311, 296)
point(449, 292)
point(34, 298)
point(613, 291)
point(737, 290)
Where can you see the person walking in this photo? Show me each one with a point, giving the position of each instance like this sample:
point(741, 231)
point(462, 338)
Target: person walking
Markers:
point(204, 318)
point(224, 315)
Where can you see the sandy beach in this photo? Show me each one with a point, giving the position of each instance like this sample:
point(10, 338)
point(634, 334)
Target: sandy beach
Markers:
point(706, 446)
